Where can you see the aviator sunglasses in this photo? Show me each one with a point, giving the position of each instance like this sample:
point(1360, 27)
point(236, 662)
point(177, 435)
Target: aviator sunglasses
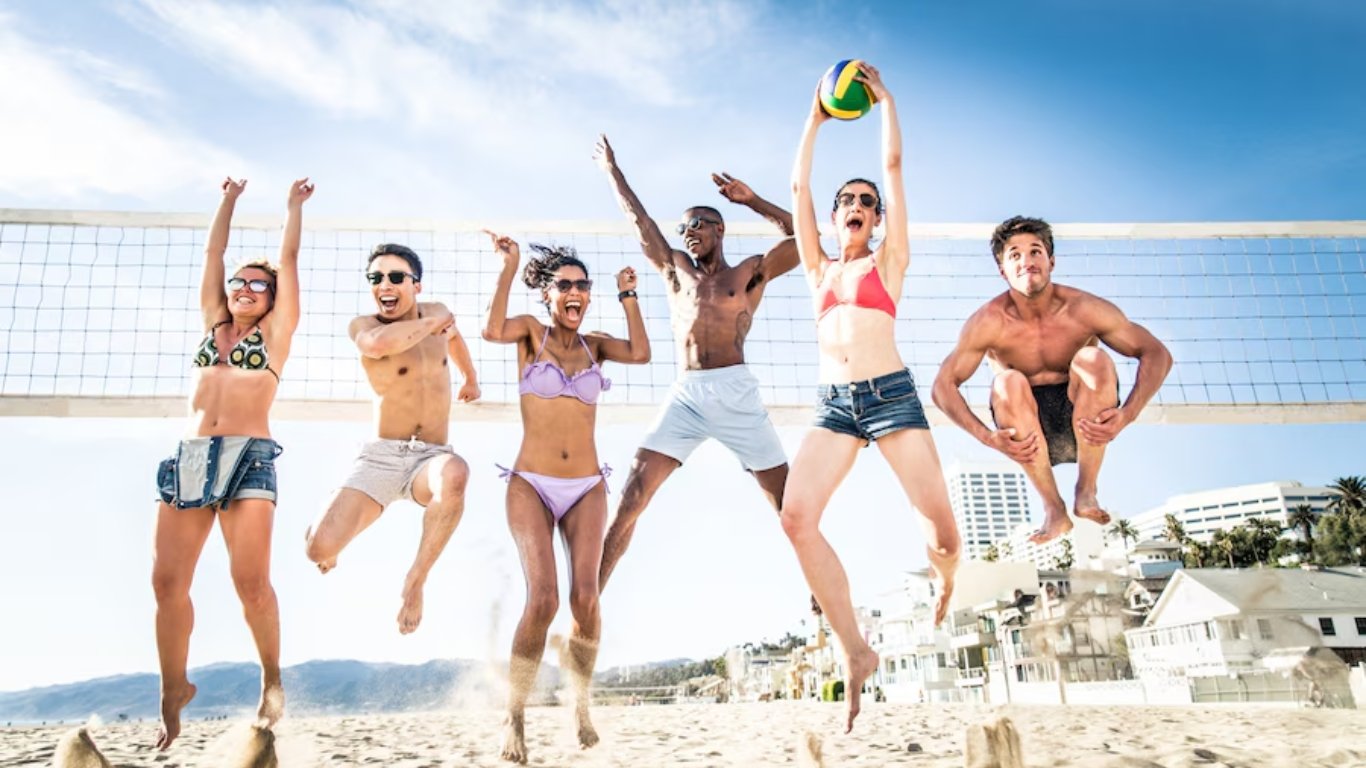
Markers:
point(847, 199)
point(396, 277)
point(584, 286)
point(693, 224)
point(256, 286)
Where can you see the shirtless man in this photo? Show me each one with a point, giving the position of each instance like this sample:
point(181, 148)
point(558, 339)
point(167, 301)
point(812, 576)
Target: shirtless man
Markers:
point(1052, 378)
point(711, 307)
point(404, 350)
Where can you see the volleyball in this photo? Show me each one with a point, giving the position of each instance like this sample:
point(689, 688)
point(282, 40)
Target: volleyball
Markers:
point(841, 96)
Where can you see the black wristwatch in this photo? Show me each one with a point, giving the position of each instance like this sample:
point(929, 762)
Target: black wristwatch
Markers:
point(624, 295)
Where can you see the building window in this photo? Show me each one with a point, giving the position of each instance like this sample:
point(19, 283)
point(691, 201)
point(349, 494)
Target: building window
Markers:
point(1326, 626)
point(1361, 625)
point(1264, 629)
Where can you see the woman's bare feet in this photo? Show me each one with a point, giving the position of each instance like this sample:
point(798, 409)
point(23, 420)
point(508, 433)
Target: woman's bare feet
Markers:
point(514, 743)
point(588, 736)
point(173, 700)
point(860, 666)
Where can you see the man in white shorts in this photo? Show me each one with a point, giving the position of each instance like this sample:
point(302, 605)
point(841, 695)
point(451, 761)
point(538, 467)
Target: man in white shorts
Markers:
point(406, 350)
point(711, 308)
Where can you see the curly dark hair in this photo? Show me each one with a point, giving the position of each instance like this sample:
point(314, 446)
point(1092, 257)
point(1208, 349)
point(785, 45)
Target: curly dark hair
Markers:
point(540, 269)
point(1016, 225)
point(836, 205)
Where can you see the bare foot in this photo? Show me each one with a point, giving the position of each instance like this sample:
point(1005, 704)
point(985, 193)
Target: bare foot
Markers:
point(1055, 524)
point(514, 744)
point(941, 603)
point(587, 735)
point(860, 667)
point(410, 615)
point(327, 565)
point(1088, 508)
point(272, 706)
point(172, 701)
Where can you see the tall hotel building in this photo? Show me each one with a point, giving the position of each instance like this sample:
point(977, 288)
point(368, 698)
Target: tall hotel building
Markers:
point(990, 499)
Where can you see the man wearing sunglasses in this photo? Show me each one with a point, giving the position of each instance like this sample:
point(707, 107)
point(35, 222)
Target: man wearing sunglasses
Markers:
point(406, 349)
point(711, 306)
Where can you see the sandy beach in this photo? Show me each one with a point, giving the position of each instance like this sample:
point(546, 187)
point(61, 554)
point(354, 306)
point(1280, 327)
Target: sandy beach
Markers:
point(753, 735)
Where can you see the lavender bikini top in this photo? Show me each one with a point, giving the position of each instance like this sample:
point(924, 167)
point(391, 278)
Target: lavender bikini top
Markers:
point(544, 378)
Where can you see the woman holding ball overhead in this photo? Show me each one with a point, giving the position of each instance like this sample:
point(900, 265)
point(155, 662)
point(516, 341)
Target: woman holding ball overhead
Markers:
point(866, 393)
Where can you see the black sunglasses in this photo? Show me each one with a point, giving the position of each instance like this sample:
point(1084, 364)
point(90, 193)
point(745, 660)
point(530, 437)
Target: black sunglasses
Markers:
point(396, 277)
point(865, 199)
point(694, 223)
point(564, 285)
point(257, 286)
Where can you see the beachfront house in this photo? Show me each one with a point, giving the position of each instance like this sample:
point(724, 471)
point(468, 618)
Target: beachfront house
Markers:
point(1222, 621)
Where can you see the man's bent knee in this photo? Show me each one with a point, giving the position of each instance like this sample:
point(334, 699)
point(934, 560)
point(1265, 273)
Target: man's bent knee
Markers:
point(455, 474)
point(1093, 361)
point(1010, 386)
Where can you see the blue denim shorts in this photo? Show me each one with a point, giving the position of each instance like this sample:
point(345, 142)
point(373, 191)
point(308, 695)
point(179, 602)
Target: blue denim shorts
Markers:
point(871, 409)
point(252, 476)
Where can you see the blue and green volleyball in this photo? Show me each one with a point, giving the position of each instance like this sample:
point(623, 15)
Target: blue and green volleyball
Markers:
point(841, 96)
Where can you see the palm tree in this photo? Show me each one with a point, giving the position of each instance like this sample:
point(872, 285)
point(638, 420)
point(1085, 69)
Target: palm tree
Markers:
point(992, 554)
point(1125, 530)
point(1350, 495)
point(1263, 534)
point(1224, 544)
point(1174, 530)
point(1304, 517)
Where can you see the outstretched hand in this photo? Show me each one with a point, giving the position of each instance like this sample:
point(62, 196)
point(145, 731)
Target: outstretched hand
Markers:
point(299, 191)
point(869, 76)
point(603, 154)
point(626, 279)
point(1022, 451)
point(233, 189)
point(733, 189)
point(506, 247)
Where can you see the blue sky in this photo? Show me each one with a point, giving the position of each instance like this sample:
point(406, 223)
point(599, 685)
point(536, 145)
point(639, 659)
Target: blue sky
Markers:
point(1130, 111)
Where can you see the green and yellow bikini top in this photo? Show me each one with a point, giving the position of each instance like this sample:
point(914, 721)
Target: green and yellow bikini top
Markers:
point(249, 353)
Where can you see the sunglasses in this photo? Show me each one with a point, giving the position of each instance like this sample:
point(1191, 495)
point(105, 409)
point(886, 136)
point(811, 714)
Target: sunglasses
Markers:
point(584, 286)
point(256, 286)
point(695, 223)
point(845, 199)
point(396, 277)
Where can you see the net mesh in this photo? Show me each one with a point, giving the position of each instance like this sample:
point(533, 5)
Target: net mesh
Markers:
point(1257, 316)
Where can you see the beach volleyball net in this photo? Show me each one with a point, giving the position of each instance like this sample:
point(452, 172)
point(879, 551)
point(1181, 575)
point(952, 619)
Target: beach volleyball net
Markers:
point(99, 311)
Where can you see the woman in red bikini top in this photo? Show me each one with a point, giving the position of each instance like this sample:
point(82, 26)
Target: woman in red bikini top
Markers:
point(556, 481)
point(866, 394)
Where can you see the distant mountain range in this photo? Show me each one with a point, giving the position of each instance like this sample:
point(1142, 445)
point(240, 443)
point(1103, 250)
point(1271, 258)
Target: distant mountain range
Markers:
point(312, 688)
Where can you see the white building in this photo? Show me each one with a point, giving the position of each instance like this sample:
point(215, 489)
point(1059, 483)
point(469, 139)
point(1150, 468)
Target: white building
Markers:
point(1205, 512)
point(989, 499)
point(1086, 542)
point(1224, 621)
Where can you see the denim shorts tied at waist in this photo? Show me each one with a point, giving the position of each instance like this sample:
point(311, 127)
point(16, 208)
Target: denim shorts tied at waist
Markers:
point(251, 477)
point(872, 408)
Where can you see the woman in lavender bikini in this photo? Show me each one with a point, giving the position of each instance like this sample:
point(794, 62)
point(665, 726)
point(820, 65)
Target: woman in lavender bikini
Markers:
point(556, 481)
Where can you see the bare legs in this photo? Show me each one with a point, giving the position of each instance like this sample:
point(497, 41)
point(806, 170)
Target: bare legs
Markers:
point(180, 536)
point(439, 486)
point(179, 539)
point(649, 470)
point(913, 458)
point(1092, 387)
point(534, 533)
point(821, 464)
point(1014, 405)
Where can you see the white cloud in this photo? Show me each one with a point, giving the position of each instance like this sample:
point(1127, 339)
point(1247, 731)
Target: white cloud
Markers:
point(67, 138)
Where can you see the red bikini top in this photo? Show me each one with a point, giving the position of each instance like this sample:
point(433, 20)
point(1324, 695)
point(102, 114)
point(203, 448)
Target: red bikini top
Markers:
point(871, 294)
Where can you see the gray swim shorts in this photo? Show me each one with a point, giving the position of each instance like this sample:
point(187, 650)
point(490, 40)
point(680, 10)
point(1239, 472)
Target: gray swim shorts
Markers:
point(723, 403)
point(385, 469)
